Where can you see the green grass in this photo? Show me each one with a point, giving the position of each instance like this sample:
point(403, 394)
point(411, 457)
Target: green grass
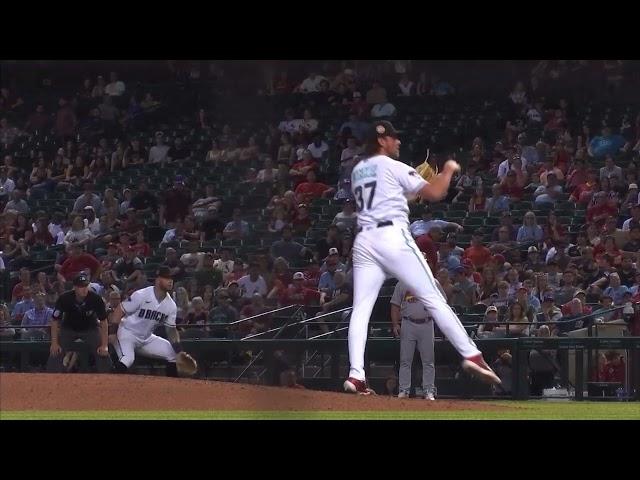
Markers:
point(531, 410)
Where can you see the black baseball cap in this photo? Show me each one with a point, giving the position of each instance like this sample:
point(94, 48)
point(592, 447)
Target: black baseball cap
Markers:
point(81, 280)
point(381, 129)
point(164, 272)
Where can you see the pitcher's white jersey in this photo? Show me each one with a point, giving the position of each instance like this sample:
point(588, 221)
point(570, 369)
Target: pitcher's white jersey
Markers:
point(143, 313)
point(381, 187)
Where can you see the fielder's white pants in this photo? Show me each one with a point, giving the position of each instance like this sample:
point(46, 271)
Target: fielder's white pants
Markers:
point(128, 345)
point(381, 253)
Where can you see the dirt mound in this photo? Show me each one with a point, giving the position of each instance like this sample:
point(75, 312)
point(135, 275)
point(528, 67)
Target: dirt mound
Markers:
point(35, 391)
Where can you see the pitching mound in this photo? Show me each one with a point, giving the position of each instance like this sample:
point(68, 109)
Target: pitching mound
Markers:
point(35, 391)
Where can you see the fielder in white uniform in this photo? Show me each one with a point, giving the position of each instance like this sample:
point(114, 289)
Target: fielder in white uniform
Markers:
point(384, 248)
point(138, 317)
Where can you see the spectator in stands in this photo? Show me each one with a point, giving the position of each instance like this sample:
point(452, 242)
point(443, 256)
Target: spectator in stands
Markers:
point(268, 174)
point(115, 88)
point(513, 184)
point(206, 272)
point(318, 148)
point(236, 228)
point(530, 231)
point(128, 268)
point(351, 150)
point(311, 84)
point(615, 289)
point(78, 234)
point(88, 198)
point(222, 313)
point(606, 144)
point(178, 151)
point(610, 169)
point(422, 227)
point(296, 293)
point(159, 153)
point(550, 169)
point(8, 133)
point(174, 235)
point(252, 283)
point(175, 203)
point(22, 306)
point(91, 222)
point(490, 326)
point(549, 193)
point(377, 94)
point(76, 262)
point(300, 169)
point(498, 202)
point(291, 251)
point(17, 203)
point(477, 252)
point(633, 245)
point(354, 127)
point(25, 281)
point(464, 291)
point(517, 315)
point(312, 189)
point(255, 308)
point(346, 220)
point(600, 210)
point(38, 316)
point(383, 110)
point(38, 120)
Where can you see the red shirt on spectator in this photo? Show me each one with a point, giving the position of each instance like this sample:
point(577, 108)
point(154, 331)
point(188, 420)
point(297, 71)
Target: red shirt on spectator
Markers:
point(142, 249)
point(176, 203)
point(515, 192)
point(479, 255)
point(595, 210)
point(311, 190)
point(74, 265)
point(16, 292)
point(427, 245)
point(612, 371)
point(298, 295)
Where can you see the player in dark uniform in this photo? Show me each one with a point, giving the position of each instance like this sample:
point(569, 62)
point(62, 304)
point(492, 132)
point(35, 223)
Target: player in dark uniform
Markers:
point(79, 314)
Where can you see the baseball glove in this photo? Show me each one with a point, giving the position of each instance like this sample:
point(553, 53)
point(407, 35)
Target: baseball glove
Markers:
point(186, 364)
point(426, 171)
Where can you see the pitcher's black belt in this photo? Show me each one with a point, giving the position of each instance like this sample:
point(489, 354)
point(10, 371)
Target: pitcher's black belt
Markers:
point(388, 223)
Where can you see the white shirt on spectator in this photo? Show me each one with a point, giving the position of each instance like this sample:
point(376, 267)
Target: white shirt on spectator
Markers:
point(290, 126)
point(383, 110)
point(8, 186)
point(309, 85)
point(249, 287)
point(310, 125)
point(534, 115)
point(94, 227)
point(169, 236)
point(158, 153)
point(318, 152)
point(263, 173)
point(78, 236)
point(626, 225)
point(503, 169)
point(406, 88)
point(115, 89)
point(348, 153)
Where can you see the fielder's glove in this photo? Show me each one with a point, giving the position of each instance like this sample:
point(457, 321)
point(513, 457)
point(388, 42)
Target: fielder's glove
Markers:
point(186, 364)
point(426, 171)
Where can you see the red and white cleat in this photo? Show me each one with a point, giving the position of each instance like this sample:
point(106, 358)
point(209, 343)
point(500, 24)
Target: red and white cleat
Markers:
point(353, 385)
point(477, 367)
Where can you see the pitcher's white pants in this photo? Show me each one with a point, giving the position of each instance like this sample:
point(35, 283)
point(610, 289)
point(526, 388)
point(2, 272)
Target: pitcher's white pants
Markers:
point(127, 345)
point(390, 251)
